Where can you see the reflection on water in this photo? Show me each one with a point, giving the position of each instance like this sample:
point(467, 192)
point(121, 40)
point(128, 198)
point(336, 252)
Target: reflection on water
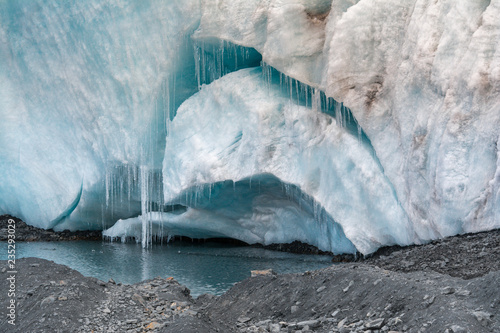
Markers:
point(203, 268)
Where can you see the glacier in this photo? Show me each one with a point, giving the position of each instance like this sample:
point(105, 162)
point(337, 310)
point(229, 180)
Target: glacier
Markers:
point(216, 118)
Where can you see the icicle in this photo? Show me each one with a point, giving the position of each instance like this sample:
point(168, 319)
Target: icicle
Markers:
point(197, 69)
point(203, 64)
point(222, 48)
point(107, 188)
point(306, 88)
point(316, 100)
point(235, 56)
point(297, 91)
point(146, 230)
point(121, 187)
point(342, 114)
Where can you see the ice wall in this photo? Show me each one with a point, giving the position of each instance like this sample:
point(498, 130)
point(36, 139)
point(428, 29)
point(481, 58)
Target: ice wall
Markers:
point(88, 90)
point(422, 78)
point(85, 90)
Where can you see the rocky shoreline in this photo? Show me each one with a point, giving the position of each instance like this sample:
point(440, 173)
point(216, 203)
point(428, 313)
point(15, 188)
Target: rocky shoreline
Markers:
point(450, 285)
point(28, 233)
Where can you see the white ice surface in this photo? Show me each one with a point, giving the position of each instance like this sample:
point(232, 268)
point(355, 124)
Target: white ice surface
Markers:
point(238, 127)
point(422, 78)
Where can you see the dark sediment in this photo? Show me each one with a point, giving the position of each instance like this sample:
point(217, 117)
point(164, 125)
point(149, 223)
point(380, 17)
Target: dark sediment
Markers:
point(28, 233)
point(464, 256)
point(295, 247)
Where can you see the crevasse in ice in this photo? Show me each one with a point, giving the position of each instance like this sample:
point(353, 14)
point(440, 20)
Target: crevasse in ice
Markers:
point(128, 111)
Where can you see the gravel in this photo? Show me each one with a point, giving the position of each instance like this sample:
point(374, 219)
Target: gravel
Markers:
point(449, 286)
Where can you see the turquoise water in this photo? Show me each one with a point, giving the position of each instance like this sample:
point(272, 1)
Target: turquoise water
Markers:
point(203, 268)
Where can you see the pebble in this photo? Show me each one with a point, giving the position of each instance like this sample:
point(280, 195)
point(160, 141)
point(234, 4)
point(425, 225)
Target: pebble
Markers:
point(482, 317)
point(310, 323)
point(375, 324)
point(153, 325)
point(457, 329)
point(320, 289)
point(346, 289)
point(266, 272)
point(138, 298)
point(447, 290)
point(48, 300)
point(430, 300)
point(342, 322)
point(274, 328)
point(244, 319)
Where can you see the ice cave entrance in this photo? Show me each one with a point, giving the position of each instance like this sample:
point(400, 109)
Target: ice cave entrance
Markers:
point(259, 209)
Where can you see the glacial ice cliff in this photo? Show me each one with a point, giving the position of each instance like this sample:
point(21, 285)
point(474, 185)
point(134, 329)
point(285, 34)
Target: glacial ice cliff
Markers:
point(217, 118)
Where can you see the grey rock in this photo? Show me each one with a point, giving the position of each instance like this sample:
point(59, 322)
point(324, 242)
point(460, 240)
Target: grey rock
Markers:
point(274, 328)
point(346, 289)
point(447, 290)
point(342, 323)
point(320, 289)
point(457, 329)
point(48, 300)
point(311, 323)
point(463, 292)
point(244, 319)
point(375, 324)
point(138, 298)
point(482, 316)
point(263, 323)
point(266, 272)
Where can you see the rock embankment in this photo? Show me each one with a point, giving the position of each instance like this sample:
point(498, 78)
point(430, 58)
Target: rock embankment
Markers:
point(465, 256)
point(28, 233)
